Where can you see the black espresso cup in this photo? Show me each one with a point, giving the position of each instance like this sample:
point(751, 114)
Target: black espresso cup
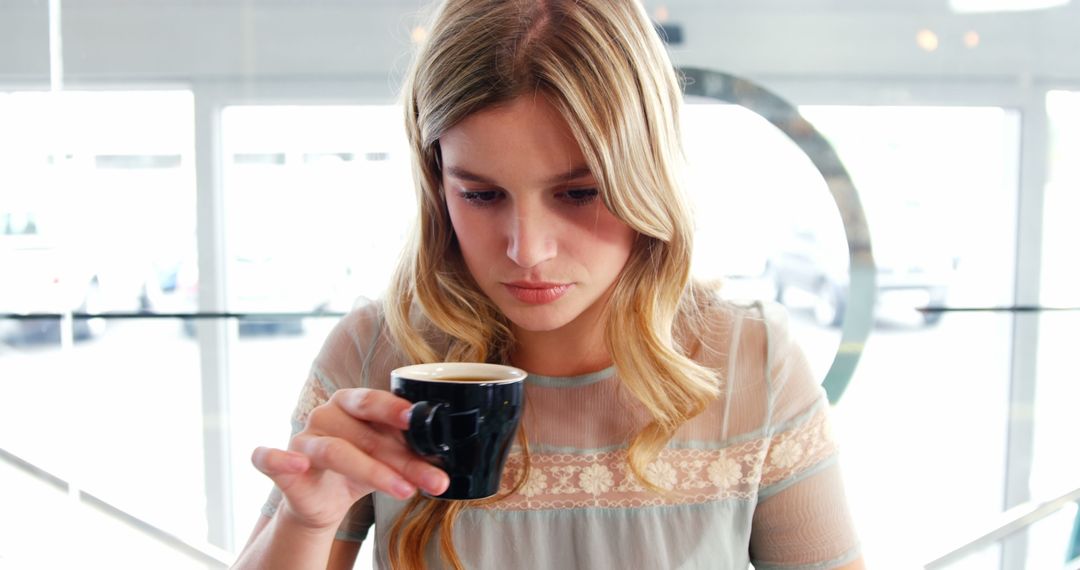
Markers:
point(464, 418)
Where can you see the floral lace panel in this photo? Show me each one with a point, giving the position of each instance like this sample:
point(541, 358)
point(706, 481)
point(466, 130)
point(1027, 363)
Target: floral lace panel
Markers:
point(693, 476)
point(799, 449)
point(312, 396)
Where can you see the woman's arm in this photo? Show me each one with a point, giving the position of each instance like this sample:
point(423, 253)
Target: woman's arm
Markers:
point(280, 542)
point(262, 551)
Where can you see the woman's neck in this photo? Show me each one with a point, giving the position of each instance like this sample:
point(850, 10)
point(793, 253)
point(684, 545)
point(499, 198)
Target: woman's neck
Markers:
point(575, 349)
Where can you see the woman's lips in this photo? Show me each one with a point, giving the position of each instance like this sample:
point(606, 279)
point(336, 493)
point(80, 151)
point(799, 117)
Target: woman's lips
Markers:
point(536, 293)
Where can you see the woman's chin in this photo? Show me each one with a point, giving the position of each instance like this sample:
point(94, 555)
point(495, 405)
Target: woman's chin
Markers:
point(537, 319)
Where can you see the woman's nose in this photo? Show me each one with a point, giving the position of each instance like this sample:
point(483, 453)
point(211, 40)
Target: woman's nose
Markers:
point(531, 239)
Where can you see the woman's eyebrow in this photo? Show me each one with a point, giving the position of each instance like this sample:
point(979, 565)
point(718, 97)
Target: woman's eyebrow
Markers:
point(463, 174)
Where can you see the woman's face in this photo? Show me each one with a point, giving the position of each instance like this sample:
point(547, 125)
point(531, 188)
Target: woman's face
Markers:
point(531, 226)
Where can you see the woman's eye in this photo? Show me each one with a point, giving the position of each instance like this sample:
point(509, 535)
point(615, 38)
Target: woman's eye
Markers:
point(581, 196)
point(480, 198)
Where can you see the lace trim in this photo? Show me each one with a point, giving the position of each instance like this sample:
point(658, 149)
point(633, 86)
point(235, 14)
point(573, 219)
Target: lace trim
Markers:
point(312, 396)
point(693, 476)
point(799, 449)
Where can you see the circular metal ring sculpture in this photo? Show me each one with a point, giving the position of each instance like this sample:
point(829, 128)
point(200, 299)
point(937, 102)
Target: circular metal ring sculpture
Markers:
point(859, 316)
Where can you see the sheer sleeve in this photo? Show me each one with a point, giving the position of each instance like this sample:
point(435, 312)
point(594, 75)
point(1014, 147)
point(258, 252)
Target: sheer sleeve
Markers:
point(801, 519)
point(342, 362)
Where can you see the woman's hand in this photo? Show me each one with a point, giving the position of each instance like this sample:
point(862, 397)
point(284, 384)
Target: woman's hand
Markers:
point(351, 446)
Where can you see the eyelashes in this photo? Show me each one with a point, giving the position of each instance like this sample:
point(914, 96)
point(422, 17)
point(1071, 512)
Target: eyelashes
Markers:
point(488, 198)
point(483, 198)
point(580, 197)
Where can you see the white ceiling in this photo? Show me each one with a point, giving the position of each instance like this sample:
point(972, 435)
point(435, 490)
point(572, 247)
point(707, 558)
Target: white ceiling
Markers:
point(325, 40)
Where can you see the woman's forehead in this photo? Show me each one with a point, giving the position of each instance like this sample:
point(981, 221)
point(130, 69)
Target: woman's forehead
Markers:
point(525, 136)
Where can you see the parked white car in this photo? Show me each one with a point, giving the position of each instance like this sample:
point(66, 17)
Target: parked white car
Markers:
point(41, 271)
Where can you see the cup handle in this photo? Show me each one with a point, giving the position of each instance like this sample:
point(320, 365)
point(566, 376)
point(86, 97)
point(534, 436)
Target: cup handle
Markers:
point(429, 427)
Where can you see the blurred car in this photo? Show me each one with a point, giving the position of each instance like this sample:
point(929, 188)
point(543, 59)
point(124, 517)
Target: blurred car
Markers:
point(261, 280)
point(46, 272)
point(912, 272)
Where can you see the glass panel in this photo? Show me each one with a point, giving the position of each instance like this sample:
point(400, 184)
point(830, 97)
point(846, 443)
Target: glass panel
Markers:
point(318, 204)
point(1055, 463)
point(922, 173)
point(96, 200)
point(763, 216)
point(118, 418)
point(38, 514)
point(914, 194)
point(1060, 268)
point(319, 200)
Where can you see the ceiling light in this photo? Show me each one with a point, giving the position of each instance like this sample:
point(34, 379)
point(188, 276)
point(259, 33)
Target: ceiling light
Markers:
point(976, 6)
point(418, 35)
point(927, 40)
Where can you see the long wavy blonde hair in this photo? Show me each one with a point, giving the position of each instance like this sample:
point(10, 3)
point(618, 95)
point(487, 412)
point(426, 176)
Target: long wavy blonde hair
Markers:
point(603, 66)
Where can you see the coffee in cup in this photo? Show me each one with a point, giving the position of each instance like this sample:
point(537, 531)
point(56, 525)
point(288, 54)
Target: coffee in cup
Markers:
point(464, 418)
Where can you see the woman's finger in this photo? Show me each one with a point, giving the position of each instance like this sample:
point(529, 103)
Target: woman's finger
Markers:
point(282, 467)
point(377, 406)
point(385, 444)
point(341, 456)
point(278, 462)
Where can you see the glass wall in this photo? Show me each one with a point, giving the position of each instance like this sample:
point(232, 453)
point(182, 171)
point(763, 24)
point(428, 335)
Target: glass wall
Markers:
point(97, 203)
point(243, 166)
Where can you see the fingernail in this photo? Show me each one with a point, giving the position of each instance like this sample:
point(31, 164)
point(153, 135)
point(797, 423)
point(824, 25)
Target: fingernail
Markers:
point(401, 489)
point(405, 417)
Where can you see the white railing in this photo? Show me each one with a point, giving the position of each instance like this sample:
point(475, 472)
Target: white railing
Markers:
point(1009, 522)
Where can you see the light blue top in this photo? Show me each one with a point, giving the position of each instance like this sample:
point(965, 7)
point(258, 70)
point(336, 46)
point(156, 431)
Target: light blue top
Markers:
point(754, 478)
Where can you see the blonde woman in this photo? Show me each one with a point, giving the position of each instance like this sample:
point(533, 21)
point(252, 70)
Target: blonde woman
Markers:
point(664, 428)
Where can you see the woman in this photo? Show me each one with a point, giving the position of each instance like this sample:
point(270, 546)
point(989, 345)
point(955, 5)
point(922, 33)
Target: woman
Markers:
point(664, 427)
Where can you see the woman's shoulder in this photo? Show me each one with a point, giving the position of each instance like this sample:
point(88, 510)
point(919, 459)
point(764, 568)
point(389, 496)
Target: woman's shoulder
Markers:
point(720, 324)
point(354, 342)
point(365, 313)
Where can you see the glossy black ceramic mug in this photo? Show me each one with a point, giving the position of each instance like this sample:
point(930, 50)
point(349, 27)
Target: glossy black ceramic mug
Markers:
point(464, 418)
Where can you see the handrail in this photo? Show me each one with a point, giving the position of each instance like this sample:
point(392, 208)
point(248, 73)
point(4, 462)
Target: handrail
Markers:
point(208, 554)
point(181, 315)
point(1009, 522)
point(999, 309)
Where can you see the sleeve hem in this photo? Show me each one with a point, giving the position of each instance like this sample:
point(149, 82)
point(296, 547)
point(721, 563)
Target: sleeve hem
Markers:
point(350, 536)
point(846, 558)
point(269, 509)
point(772, 490)
point(802, 417)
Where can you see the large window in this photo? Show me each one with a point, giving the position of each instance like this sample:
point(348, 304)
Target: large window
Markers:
point(915, 192)
point(318, 202)
point(97, 206)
